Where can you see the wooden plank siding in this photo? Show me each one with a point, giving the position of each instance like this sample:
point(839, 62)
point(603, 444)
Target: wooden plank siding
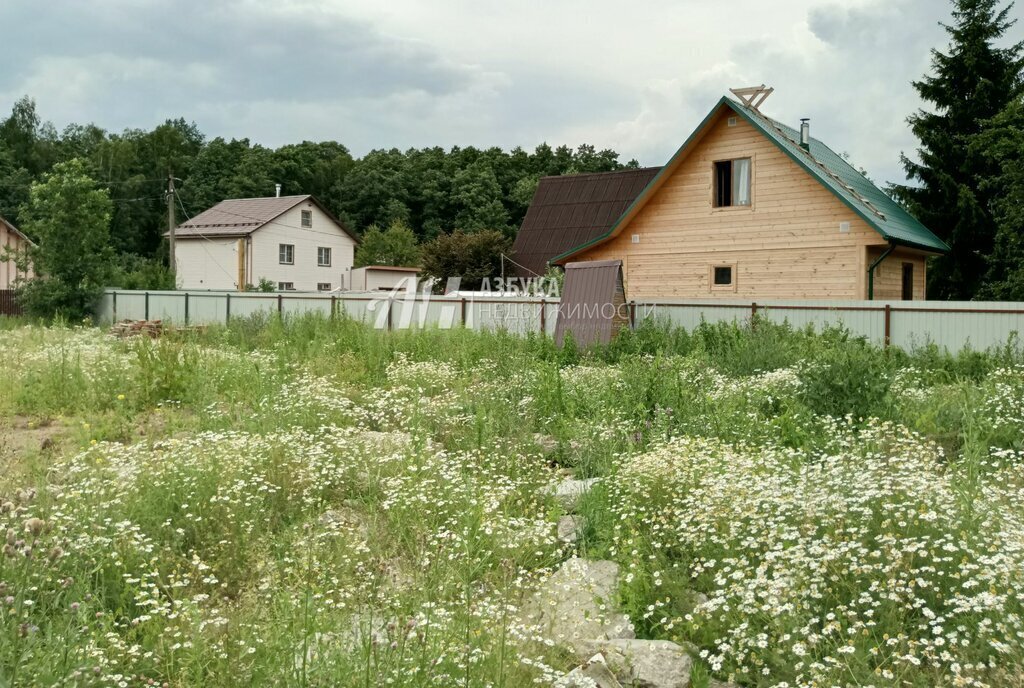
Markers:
point(786, 244)
point(889, 273)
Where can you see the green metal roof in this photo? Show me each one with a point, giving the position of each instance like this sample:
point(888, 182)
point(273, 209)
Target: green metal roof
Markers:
point(873, 205)
point(855, 190)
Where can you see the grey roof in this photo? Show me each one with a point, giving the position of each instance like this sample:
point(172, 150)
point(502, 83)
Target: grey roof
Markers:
point(236, 217)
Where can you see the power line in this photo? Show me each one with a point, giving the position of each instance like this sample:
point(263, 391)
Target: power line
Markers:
point(214, 260)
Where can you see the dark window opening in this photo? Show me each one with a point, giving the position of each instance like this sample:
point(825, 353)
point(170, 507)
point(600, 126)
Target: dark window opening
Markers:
point(908, 281)
point(732, 183)
point(723, 275)
point(723, 184)
point(307, 218)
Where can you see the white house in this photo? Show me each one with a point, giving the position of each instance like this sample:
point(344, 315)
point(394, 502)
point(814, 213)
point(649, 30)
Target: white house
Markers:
point(293, 241)
point(13, 243)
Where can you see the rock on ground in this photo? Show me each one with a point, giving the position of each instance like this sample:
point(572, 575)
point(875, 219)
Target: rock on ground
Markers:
point(569, 492)
point(577, 604)
point(570, 527)
point(642, 663)
point(594, 673)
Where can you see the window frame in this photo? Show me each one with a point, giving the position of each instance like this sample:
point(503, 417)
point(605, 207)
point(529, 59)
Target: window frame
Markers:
point(712, 268)
point(320, 286)
point(306, 218)
point(330, 256)
point(714, 183)
point(290, 251)
point(286, 286)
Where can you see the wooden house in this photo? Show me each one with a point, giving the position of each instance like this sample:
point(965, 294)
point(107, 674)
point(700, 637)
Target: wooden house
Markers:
point(746, 208)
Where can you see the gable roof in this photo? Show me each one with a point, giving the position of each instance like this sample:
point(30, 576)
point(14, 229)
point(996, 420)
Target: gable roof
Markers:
point(856, 191)
point(571, 210)
point(14, 230)
point(238, 217)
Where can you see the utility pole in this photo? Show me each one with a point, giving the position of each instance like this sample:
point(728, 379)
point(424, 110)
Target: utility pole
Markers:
point(171, 226)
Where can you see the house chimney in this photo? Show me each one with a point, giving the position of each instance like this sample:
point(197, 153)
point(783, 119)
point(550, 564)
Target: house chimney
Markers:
point(805, 134)
point(277, 190)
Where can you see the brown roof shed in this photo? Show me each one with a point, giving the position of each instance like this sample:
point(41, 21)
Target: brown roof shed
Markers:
point(571, 210)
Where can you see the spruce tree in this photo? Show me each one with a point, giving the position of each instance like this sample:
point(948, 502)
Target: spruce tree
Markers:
point(971, 84)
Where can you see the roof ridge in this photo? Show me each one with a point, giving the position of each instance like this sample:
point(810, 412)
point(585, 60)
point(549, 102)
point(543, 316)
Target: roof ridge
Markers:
point(577, 175)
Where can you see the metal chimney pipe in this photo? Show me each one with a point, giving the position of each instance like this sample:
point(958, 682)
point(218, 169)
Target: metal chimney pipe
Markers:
point(805, 134)
point(277, 190)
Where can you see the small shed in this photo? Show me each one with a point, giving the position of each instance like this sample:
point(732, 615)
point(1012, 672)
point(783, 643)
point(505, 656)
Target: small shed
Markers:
point(382, 277)
point(593, 305)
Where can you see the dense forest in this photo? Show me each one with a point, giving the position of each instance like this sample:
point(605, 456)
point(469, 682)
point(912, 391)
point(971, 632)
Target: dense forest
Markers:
point(432, 190)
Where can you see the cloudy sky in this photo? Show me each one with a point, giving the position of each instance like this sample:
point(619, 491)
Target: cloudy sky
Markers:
point(634, 76)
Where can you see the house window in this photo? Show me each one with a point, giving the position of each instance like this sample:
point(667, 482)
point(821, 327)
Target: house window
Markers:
point(732, 183)
point(307, 218)
point(286, 254)
point(908, 281)
point(323, 286)
point(286, 286)
point(723, 277)
point(323, 256)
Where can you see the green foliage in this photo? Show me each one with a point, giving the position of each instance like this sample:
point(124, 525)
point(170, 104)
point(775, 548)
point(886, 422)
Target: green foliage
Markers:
point(969, 86)
point(396, 245)
point(1002, 145)
point(71, 218)
point(474, 257)
point(136, 272)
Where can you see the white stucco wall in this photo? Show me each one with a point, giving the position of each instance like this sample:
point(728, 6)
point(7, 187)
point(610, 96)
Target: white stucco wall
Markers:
point(304, 273)
point(207, 263)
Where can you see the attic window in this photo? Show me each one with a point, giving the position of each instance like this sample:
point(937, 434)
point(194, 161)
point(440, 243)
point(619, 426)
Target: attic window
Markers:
point(732, 183)
point(307, 218)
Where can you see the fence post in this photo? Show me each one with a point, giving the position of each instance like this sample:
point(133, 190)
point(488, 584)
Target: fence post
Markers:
point(391, 303)
point(543, 316)
point(888, 324)
point(632, 315)
point(753, 315)
point(186, 309)
point(227, 310)
point(280, 304)
point(334, 307)
point(463, 311)
point(115, 306)
point(147, 306)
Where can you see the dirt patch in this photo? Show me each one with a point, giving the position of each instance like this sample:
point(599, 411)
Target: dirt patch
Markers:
point(23, 439)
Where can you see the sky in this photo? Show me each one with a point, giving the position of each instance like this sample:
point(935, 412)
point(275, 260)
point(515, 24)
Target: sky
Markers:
point(636, 77)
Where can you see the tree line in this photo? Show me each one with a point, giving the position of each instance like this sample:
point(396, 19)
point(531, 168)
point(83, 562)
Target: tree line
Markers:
point(433, 191)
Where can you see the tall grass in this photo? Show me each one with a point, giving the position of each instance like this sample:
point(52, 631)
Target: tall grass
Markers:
point(314, 502)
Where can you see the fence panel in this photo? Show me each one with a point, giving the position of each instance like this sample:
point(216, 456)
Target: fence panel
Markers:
point(8, 304)
point(951, 325)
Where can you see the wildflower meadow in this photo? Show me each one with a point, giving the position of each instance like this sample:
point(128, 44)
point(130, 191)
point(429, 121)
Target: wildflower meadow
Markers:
point(311, 502)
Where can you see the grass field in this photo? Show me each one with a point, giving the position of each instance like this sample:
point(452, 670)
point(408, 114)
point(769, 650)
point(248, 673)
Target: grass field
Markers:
point(318, 503)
